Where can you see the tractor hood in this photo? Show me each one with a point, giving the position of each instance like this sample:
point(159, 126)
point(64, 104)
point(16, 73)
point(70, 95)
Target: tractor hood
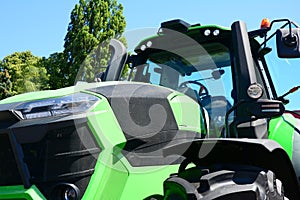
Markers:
point(57, 140)
point(50, 93)
point(129, 101)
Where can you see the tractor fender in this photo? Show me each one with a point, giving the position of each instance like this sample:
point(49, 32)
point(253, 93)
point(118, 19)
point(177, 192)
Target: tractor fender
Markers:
point(263, 153)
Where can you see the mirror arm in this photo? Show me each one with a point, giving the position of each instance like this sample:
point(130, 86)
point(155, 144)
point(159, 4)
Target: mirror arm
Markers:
point(285, 101)
point(288, 22)
point(295, 24)
point(267, 39)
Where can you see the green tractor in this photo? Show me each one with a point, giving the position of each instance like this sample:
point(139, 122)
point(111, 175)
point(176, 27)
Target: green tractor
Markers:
point(197, 117)
point(250, 148)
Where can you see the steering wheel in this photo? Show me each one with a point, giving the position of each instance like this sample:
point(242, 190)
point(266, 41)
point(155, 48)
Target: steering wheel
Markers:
point(203, 91)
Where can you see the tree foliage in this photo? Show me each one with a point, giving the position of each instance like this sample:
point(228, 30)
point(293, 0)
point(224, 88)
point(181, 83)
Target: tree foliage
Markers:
point(5, 84)
point(23, 71)
point(56, 68)
point(92, 22)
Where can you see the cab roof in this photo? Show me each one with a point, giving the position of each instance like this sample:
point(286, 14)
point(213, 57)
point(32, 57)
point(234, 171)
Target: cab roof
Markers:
point(176, 31)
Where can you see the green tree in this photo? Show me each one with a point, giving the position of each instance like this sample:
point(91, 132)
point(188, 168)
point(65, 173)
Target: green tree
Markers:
point(5, 84)
point(23, 70)
point(56, 68)
point(92, 22)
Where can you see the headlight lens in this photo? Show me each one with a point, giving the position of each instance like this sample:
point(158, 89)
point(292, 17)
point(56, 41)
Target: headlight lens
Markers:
point(66, 105)
point(255, 91)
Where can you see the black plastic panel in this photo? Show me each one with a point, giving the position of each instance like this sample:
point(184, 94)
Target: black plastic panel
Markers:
point(9, 174)
point(66, 153)
point(142, 110)
point(46, 152)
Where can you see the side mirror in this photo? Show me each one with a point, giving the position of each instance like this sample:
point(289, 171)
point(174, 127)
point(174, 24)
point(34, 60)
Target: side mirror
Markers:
point(288, 43)
point(218, 73)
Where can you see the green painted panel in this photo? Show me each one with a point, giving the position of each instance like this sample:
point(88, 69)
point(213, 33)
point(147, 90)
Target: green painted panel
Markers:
point(108, 180)
point(281, 131)
point(186, 112)
point(19, 192)
point(146, 181)
point(105, 126)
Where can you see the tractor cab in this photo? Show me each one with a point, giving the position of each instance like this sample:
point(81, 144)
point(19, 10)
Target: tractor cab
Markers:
point(228, 74)
point(180, 61)
point(222, 69)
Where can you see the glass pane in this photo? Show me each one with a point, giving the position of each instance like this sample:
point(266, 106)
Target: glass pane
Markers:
point(204, 76)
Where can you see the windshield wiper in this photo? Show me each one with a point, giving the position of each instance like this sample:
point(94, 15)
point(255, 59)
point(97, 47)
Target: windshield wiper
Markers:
point(286, 101)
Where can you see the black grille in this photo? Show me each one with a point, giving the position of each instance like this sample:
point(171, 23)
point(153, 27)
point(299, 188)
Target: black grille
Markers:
point(67, 153)
point(9, 174)
point(49, 154)
point(62, 154)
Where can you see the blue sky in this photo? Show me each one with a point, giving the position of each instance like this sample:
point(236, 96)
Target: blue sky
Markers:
point(40, 26)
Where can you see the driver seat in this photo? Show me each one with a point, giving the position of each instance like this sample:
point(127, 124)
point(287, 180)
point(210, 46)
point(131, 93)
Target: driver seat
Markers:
point(189, 92)
point(217, 107)
point(215, 102)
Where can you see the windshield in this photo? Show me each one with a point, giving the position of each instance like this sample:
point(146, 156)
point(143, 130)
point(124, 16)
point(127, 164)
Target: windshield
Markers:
point(203, 73)
point(285, 75)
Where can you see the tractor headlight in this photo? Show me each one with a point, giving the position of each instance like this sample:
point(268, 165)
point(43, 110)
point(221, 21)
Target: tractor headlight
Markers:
point(66, 105)
point(65, 191)
point(255, 91)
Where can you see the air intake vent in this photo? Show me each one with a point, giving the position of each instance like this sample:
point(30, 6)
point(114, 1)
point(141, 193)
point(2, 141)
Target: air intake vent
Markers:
point(48, 154)
point(9, 174)
point(67, 153)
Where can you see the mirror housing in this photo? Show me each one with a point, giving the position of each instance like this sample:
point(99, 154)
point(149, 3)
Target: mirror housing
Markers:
point(288, 43)
point(216, 74)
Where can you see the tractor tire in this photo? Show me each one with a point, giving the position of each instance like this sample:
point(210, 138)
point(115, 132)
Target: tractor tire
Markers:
point(223, 185)
point(246, 185)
